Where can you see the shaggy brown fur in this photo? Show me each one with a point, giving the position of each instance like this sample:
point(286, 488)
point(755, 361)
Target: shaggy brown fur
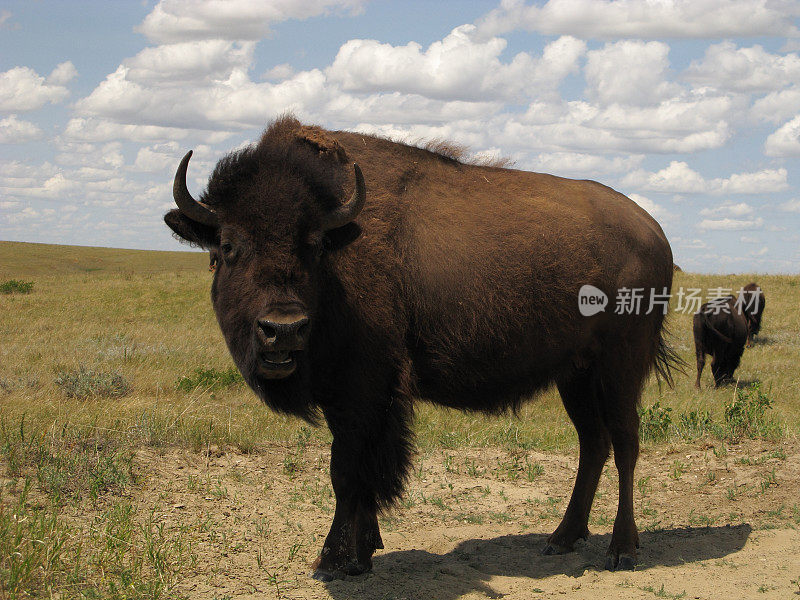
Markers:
point(456, 284)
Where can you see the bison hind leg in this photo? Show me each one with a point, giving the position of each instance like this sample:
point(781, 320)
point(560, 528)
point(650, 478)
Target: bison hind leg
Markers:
point(580, 394)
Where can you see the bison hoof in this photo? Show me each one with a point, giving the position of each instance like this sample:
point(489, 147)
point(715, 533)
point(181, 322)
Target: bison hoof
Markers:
point(352, 568)
point(326, 576)
point(553, 548)
point(623, 562)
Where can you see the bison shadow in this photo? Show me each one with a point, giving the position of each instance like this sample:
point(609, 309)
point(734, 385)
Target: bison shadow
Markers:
point(470, 566)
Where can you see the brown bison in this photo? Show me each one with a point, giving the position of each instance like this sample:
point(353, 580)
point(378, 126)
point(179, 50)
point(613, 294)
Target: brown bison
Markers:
point(437, 280)
point(751, 298)
point(720, 329)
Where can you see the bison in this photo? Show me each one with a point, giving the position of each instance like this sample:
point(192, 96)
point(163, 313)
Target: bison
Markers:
point(348, 297)
point(751, 298)
point(720, 329)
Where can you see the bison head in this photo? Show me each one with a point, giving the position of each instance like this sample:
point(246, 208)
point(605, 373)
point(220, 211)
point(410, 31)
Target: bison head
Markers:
point(273, 214)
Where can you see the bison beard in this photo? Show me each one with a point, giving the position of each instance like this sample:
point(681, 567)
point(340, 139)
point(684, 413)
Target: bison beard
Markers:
point(453, 283)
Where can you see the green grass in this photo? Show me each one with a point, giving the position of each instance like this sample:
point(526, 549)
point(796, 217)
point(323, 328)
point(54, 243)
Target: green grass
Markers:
point(13, 286)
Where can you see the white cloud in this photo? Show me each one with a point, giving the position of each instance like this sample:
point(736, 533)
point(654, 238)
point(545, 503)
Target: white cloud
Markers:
point(678, 177)
point(84, 155)
point(785, 141)
point(645, 19)
point(102, 130)
point(62, 74)
point(196, 62)
point(225, 105)
point(728, 224)
point(776, 107)
point(577, 164)
point(14, 131)
point(158, 157)
point(278, 72)
point(792, 205)
point(734, 210)
point(753, 69)
point(692, 244)
point(188, 20)
point(457, 67)
point(22, 89)
point(629, 72)
point(656, 211)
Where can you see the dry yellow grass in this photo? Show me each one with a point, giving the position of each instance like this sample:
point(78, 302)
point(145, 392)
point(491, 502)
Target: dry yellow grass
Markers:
point(147, 316)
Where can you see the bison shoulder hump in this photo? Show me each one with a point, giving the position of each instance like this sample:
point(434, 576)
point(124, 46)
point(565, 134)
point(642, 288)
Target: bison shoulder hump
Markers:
point(322, 141)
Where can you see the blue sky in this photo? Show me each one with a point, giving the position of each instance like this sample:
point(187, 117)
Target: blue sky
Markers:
point(691, 108)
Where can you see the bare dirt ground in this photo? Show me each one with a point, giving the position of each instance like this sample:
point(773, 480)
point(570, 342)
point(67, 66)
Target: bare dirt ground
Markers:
point(715, 522)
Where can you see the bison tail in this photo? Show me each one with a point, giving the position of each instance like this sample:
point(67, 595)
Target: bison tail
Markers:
point(667, 361)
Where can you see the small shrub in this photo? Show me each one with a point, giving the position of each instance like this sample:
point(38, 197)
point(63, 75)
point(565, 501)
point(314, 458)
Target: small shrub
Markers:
point(745, 415)
point(210, 379)
point(654, 422)
point(85, 383)
point(14, 286)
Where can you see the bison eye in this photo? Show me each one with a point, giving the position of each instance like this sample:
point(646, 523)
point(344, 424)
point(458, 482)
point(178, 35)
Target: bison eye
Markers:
point(229, 252)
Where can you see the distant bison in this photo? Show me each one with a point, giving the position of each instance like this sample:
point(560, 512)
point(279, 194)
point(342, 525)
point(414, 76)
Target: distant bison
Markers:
point(752, 301)
point(454, 283)
point(720, 329)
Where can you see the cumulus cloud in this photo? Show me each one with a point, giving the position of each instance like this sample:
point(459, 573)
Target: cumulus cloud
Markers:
point(777, 107)
point(753, 69)
point(457, 67)
point(577, 164)
point(785, 141)
point(234, 103)
point(734, 210)
point(157, 157)
point(792, 205)
point(656, 211)
point(629, 72)
point(15, 131)
point(729, 224)
point(174, 21)
point(23, 89)
point(62, 74)
point(679, 178)
point(196, 62)
point(647, 19)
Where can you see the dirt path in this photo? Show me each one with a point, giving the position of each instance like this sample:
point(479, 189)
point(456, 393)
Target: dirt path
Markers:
point(714, 523)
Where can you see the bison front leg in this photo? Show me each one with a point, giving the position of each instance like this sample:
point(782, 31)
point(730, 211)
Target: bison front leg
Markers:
point(369, 462)
point(353, 538)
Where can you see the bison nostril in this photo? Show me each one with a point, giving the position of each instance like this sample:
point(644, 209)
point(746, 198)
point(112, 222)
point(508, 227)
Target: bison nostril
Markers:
point(269, 330)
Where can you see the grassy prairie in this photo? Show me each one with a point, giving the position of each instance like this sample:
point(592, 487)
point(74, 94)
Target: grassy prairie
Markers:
point(112, 368)
point(146, 316)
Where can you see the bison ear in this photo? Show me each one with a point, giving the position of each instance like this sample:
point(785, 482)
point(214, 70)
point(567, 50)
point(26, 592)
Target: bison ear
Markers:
point(187, 230)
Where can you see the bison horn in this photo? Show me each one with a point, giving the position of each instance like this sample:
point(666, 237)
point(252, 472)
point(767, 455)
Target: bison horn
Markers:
point(347, 212)
point(197, 211)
